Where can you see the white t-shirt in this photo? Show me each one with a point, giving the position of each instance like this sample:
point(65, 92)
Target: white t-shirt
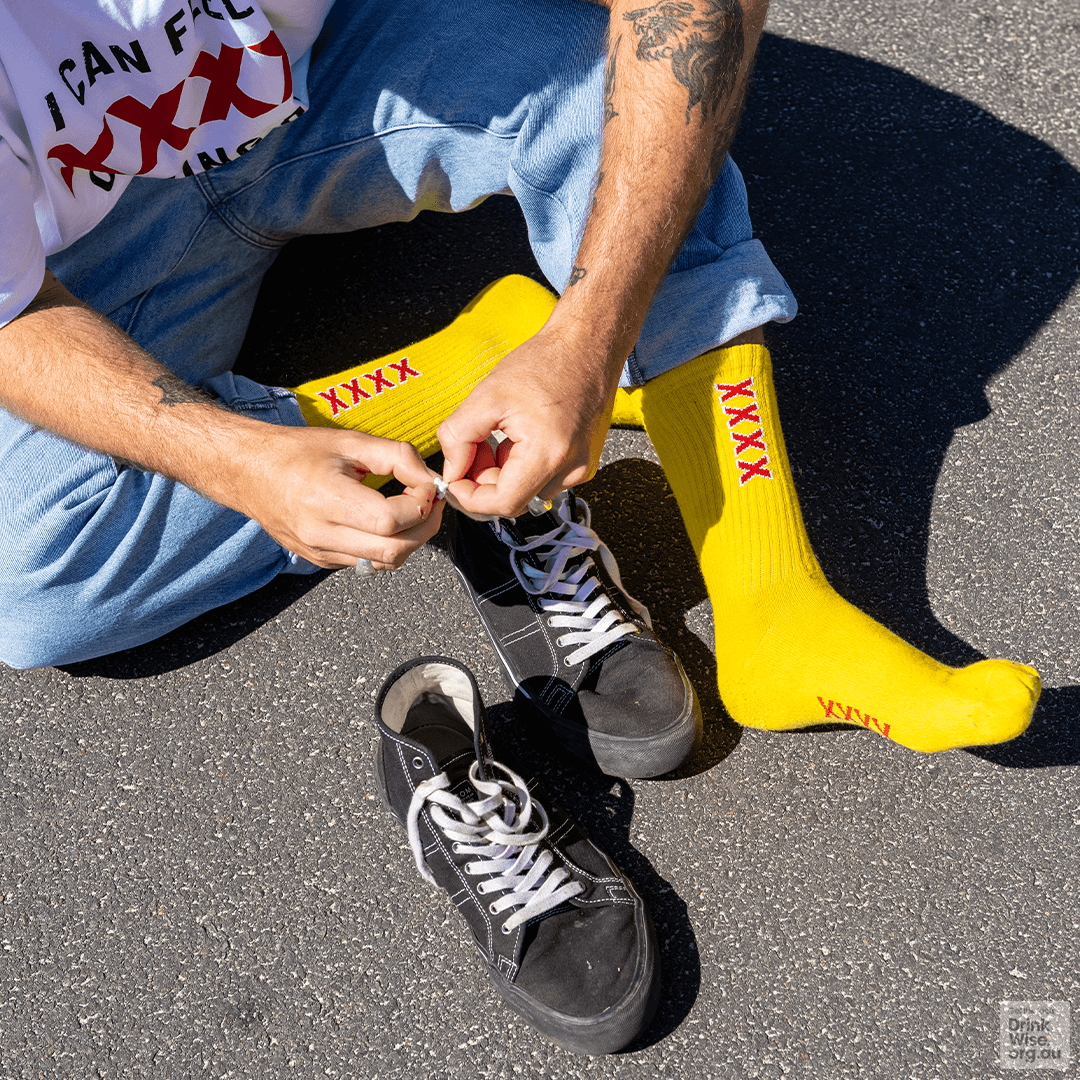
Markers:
point(93, 92)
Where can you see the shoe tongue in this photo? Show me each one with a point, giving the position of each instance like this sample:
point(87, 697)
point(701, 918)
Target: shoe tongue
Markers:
point(528, 526)
point(434, 722)
point(481, 746)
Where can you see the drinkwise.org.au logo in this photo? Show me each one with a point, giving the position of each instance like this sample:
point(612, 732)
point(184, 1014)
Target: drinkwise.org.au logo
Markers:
point(1035, 1035)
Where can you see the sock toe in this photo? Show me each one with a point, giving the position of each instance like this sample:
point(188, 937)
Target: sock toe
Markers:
point(1010, 692)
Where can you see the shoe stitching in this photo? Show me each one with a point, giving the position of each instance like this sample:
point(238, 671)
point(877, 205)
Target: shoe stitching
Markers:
point(582, 872)
point(521, 634)
point(498, 590)
point(538, 618)
point(561, 831)
point(406, 771)
point(565, 692)
point(549, 689)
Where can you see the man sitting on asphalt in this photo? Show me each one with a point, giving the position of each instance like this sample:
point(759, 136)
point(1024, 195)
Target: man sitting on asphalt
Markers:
point(160, 155)
point(154, 158)
point(159, 158)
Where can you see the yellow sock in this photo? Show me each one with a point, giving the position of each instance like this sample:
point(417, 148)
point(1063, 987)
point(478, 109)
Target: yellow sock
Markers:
point(790, 652)
point(409, 393)
point(431, 378)
point(627, 410)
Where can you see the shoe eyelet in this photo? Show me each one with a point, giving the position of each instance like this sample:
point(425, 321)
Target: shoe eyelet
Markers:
point(455, 847)
point(418, 762)
point(480, 888)
point(551, 623)
point(491, 908)
point(506, 933)
point(567, 662)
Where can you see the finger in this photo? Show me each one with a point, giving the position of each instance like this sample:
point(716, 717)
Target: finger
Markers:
point(390, 553)
point(391, 457)
point(503, 451)
point(457, 459)
point(461, 433)
point(347, 546)
point(483, 459)
point(360, 508)
point(411, 509)
point(487, 476)
point(548, 492)
point(520, 478)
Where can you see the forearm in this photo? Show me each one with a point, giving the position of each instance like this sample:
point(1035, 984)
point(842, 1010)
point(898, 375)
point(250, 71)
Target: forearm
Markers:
point(66, 368)
point(675, 81)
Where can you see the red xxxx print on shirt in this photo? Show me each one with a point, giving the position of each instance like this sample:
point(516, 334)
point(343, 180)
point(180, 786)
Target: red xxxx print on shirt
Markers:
point(217, 75)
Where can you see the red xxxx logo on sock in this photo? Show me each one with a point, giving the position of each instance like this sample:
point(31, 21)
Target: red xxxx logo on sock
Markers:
point(835, 711)
point(751, 436)
point(357, 392)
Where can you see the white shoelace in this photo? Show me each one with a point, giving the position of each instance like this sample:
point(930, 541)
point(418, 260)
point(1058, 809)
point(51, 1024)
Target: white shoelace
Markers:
point(496, 830)
point(577, 603)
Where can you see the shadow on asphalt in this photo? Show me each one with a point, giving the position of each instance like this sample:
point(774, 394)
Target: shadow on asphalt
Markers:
point(202, 637)
point(604, 807)
point(1052, 739)
point(926, 240)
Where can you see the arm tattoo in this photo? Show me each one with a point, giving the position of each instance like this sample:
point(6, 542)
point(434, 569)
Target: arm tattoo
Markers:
point(578, 273)
point(175, 391)
point(609, 82)
point(704, 47)
point(596, 188)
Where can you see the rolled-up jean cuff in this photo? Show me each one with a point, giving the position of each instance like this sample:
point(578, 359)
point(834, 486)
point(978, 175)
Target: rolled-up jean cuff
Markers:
point(700, 308)
point(272, 405)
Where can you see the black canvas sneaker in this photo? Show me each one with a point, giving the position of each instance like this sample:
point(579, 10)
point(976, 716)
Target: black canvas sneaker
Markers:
point(575, 646)
point(564, 936)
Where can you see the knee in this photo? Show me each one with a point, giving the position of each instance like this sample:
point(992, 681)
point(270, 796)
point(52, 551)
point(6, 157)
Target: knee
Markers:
point(39, 630)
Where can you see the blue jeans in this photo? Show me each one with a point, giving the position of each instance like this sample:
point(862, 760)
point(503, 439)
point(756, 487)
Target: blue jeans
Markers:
point(413, 105)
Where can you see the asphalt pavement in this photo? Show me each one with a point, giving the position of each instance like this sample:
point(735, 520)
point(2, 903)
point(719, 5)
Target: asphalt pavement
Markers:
point(196, 876)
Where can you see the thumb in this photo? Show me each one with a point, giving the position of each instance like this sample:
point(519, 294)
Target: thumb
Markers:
point(459, 435)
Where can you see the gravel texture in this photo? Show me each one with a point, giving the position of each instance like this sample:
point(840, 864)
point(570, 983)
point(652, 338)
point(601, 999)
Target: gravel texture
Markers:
point(196, 876)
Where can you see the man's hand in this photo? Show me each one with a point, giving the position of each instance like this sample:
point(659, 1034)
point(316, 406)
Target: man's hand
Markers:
point(552, 400)
point(313, 501)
